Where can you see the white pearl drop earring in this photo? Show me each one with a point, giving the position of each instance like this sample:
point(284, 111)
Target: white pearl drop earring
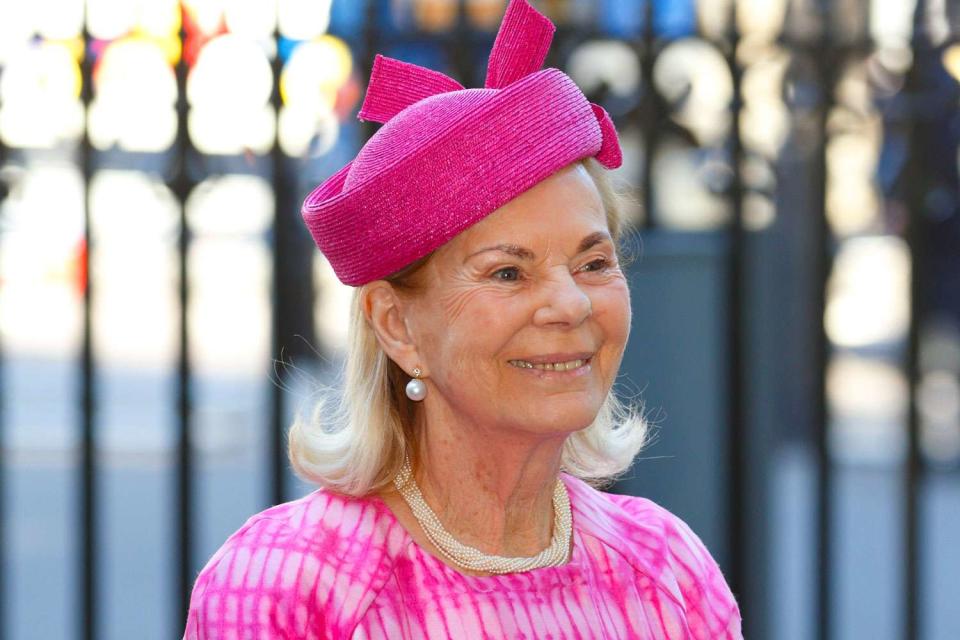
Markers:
point(416, 389)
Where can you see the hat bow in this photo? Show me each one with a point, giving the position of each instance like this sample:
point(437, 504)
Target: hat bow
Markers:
point(519, 49)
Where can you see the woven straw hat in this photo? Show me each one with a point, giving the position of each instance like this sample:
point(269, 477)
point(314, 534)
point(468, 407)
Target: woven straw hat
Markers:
point(446, 156)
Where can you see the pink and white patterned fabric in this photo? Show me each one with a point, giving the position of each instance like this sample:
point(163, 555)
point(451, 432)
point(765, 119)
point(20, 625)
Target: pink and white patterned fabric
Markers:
point(331, 566)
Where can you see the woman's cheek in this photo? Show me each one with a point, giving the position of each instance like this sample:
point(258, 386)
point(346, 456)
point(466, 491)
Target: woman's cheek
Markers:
point(465, 302)
point(613, 305)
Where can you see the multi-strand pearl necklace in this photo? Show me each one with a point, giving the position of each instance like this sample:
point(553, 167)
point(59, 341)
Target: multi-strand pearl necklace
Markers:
point(472, 558)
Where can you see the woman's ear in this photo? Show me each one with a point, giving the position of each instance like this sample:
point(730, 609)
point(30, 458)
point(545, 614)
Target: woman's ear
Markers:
point(386, 312)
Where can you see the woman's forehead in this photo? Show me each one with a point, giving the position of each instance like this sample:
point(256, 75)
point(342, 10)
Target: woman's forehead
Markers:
point(565, 206)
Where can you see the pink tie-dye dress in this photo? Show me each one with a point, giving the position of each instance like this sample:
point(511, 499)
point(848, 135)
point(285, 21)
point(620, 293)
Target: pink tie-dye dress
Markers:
point(330, 566)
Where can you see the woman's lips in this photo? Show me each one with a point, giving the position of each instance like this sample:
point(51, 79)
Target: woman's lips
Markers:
point(563, 369)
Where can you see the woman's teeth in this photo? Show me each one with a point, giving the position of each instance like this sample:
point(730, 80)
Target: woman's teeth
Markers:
point(550, 366)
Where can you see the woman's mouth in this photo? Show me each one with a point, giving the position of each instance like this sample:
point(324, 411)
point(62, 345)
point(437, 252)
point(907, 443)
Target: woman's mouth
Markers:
point(576, 365)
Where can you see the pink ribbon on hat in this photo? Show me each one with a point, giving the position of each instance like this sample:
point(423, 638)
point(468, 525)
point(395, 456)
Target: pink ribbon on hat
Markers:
point(520, 48)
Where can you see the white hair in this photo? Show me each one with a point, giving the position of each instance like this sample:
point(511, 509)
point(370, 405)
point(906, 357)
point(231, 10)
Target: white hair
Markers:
point(358, 432)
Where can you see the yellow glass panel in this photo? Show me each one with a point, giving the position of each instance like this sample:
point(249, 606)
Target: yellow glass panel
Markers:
point(315, 71)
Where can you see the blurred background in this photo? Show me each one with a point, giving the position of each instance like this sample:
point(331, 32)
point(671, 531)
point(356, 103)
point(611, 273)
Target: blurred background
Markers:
point(796, 332)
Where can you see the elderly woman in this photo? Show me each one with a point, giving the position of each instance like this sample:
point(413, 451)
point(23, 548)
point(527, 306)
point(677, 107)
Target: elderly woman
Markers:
point(458, 465)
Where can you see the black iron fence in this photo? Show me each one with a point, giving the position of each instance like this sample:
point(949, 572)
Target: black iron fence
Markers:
point(805, 151)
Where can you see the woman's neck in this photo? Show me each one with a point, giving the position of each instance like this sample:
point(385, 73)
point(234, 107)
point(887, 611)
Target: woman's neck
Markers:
point(491, 489)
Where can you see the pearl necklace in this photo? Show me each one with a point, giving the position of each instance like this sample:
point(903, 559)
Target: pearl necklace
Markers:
point(472, 558)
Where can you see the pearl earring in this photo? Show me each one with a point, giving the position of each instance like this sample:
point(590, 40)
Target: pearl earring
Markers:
point(416, 389)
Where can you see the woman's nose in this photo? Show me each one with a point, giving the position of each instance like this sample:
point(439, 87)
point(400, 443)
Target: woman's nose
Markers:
point(564, 301)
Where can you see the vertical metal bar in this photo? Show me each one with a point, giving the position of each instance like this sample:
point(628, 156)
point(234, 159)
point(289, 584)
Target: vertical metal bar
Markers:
point(3, 449)
point(915, 237)
point(914, 471)
point(88, 476)
point(462, 46)
point(281, 248)
point(180, 184)
point(822, 264)
point(737, 383)
point(650, 113)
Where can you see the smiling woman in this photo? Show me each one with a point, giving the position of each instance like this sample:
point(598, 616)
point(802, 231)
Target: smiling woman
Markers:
point(459, 467)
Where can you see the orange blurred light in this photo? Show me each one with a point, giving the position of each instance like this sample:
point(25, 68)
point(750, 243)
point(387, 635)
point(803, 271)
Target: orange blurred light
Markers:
point(435, 15)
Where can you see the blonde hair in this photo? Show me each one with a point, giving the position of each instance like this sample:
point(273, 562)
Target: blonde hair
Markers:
point(355, 440)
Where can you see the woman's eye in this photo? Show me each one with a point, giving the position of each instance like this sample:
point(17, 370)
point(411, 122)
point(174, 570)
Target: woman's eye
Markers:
point(510, 274)
point(598, 265)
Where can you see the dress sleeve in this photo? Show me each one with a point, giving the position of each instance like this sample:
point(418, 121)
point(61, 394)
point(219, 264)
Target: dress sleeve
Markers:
point(711, 609)
point(256, 586)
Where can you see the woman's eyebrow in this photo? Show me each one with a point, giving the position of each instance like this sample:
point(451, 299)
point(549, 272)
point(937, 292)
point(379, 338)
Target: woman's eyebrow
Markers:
point(594, 238)
point(515, 250)
point(526, 254)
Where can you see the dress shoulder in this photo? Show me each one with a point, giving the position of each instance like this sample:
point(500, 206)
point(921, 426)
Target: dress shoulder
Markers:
point(663, 546)
point(308, 568)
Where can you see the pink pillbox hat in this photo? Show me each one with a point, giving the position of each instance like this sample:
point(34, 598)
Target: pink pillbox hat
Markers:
point(446, 156)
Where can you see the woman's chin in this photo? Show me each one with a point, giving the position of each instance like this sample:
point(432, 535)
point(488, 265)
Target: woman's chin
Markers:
point(559, 419)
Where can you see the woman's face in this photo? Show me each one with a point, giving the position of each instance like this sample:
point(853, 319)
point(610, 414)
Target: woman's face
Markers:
point(524, 316)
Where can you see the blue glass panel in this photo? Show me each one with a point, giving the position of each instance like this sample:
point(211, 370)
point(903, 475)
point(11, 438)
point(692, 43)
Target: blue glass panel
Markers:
point(621, 18)
point(481, 55)
point(674, 18)
point(425, 54)
point(285, 47)
point(625, 19)
point(393, 16)
point(346, 17)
